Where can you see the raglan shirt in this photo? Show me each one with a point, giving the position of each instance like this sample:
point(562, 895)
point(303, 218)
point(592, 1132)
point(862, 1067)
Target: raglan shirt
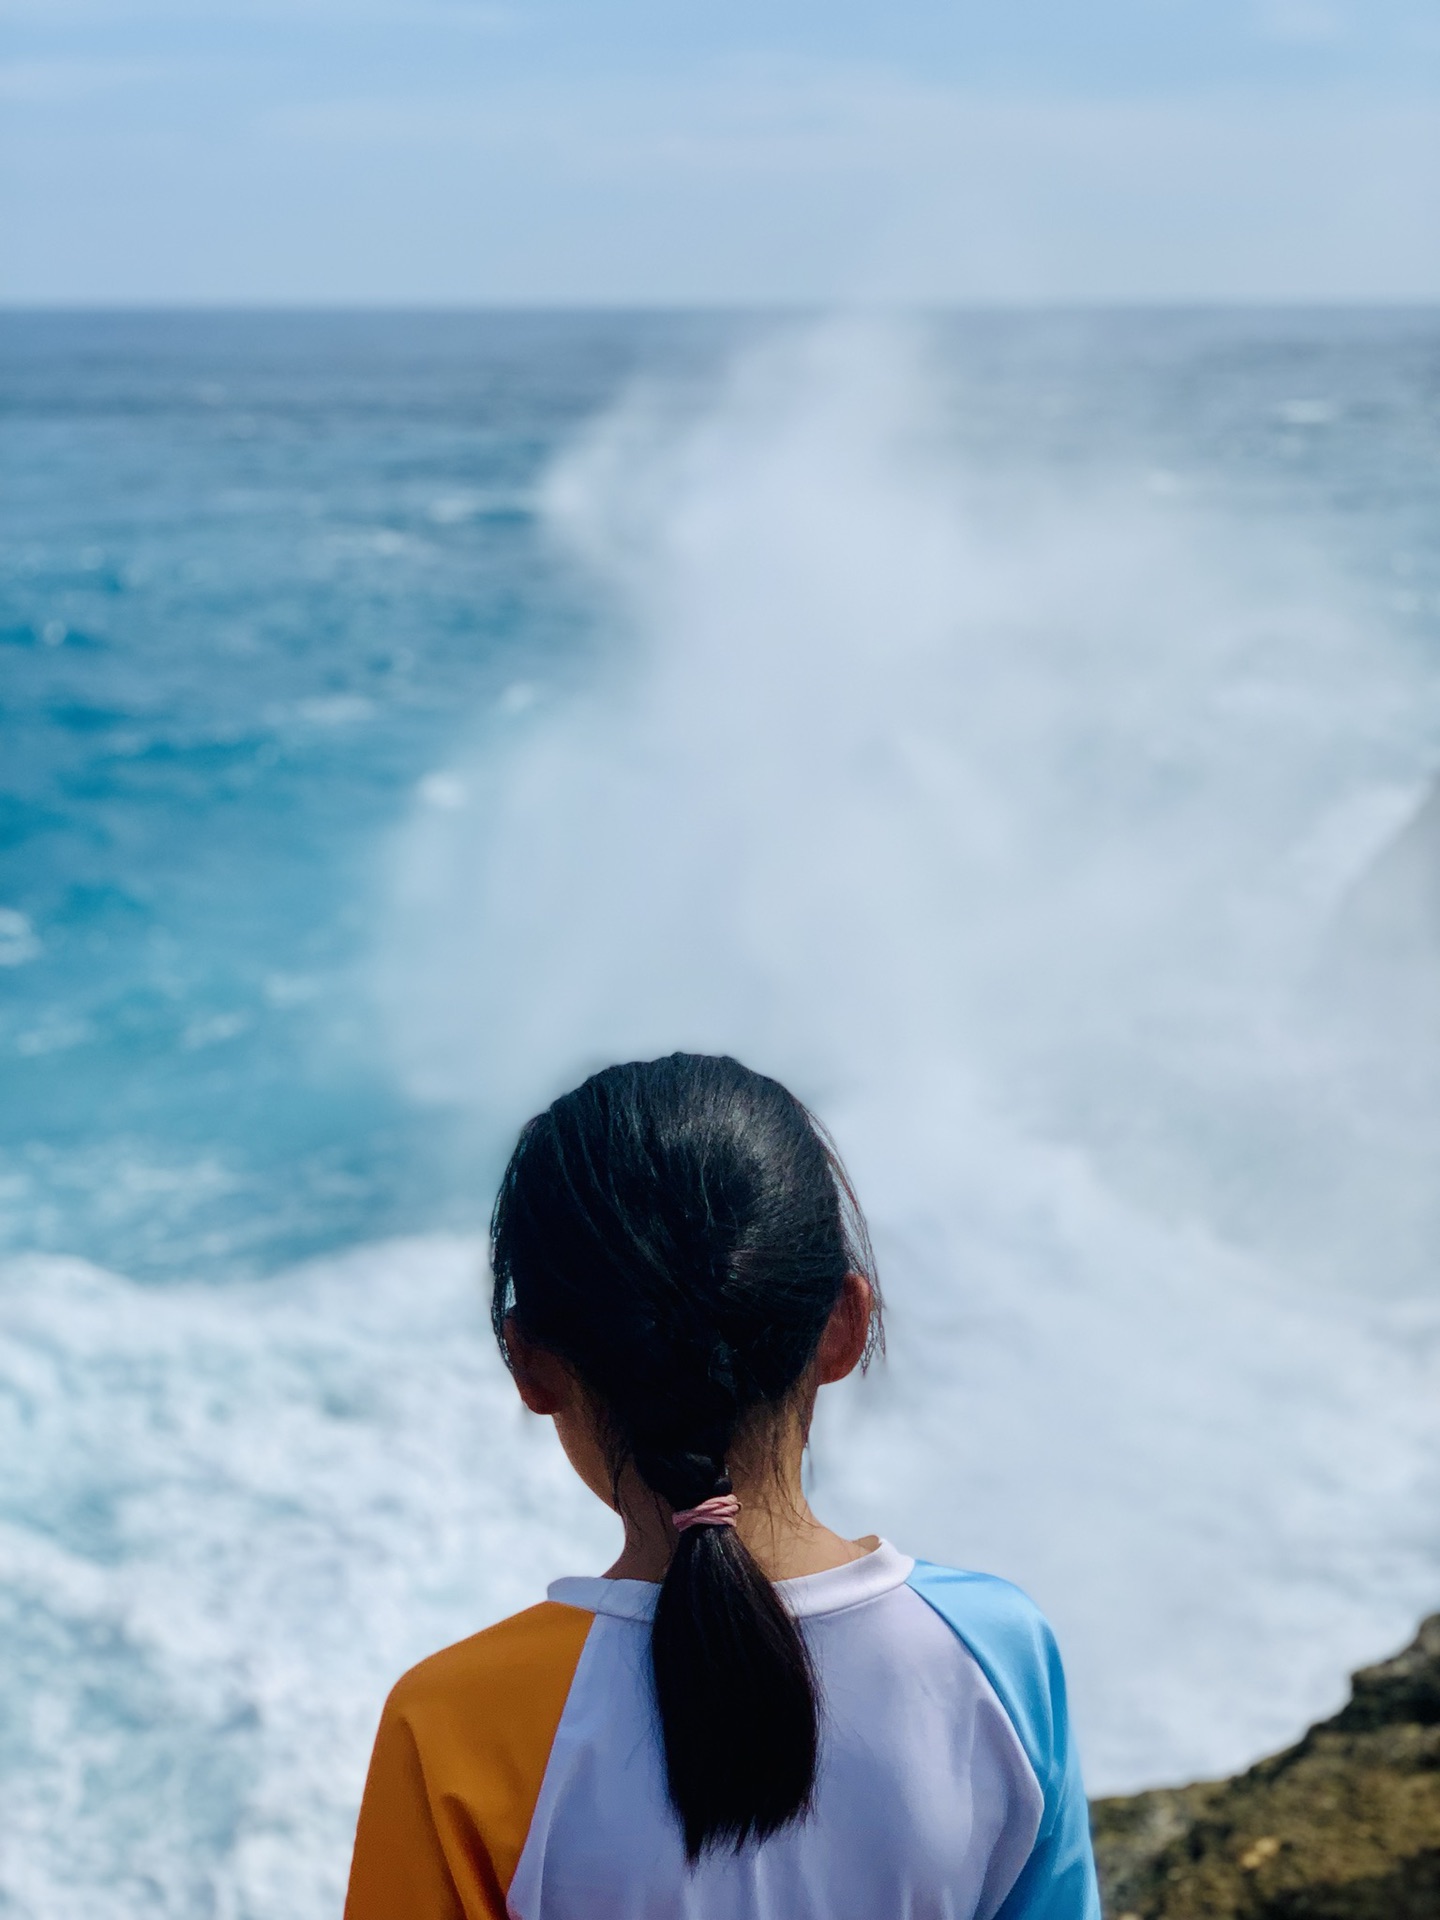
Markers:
point(521, 1774)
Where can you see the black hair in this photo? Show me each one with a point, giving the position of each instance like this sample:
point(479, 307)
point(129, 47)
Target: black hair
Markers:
point(678, 1231)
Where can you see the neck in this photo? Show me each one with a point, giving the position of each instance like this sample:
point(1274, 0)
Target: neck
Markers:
point(775, 1523)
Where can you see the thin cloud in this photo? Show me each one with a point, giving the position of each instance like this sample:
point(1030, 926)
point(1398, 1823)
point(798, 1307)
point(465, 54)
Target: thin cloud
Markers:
point(57, 82)
point(56, 15)
point(1302, 23)
point(410, 166)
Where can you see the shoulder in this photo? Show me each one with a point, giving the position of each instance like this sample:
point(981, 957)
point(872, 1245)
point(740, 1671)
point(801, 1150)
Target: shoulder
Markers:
point(1014, 1646)
point(985, 1604)
point(519, 1666)
point(458, 1765)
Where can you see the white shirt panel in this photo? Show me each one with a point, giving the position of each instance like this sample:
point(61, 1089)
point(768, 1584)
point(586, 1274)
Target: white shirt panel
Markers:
point(926, 1807)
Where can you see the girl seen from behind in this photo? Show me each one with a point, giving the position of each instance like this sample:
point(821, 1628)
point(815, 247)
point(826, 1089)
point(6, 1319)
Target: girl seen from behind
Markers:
point(748, 1717)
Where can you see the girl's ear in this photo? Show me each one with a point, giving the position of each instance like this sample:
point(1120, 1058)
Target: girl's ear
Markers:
point(543, 1380)
point(842, 1345)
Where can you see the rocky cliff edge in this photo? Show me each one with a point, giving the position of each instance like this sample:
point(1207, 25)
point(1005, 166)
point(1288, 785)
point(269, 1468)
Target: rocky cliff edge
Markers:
point(1343, 1826)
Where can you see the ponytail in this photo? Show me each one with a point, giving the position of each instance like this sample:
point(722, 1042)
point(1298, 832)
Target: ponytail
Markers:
point(735, 1691)
point(679, 1232)
point(736, 1694)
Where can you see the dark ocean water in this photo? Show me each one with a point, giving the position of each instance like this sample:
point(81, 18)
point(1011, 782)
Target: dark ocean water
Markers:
point(986, 723)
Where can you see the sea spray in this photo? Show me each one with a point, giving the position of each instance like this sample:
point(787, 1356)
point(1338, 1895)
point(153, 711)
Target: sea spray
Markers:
point(1005, 813)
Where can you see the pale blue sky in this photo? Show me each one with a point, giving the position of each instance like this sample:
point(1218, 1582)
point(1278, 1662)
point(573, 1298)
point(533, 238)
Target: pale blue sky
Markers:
point(800, 150)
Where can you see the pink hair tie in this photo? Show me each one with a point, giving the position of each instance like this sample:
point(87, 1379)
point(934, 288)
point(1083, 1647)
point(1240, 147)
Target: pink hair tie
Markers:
point(720, 1510)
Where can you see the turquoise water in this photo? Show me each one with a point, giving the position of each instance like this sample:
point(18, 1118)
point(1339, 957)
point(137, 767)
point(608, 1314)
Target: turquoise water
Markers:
point(989, 724)
point(257, 571)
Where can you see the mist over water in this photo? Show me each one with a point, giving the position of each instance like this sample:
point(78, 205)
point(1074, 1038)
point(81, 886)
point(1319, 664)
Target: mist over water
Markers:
point(1006, 813)
point(1013, 732)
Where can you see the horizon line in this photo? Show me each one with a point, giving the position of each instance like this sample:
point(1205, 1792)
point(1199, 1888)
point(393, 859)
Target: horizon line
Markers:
point(736, 307)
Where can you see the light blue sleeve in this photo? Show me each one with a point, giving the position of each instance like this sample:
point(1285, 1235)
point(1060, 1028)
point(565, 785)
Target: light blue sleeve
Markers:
point(1012, 1641)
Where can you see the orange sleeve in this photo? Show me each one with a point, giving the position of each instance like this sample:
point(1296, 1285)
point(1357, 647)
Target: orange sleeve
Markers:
point(459, 1759)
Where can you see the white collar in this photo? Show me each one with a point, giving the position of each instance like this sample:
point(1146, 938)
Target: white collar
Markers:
point(838, 1587)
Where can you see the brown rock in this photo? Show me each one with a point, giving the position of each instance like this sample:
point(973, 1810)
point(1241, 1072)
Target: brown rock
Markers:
point(1344, 1826)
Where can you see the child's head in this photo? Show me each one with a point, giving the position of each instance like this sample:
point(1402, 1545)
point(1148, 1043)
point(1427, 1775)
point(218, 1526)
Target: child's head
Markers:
point(679, 1233)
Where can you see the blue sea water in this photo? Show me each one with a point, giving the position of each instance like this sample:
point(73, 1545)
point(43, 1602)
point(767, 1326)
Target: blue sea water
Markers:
point(258, 571)
point(990, 723)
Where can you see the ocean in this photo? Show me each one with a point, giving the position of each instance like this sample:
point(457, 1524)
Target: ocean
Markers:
point(1017, 731)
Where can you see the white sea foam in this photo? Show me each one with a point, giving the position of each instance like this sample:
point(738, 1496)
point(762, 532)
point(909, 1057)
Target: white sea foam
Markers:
point(232, 1517)
point(1007, 820)
point(18, 942)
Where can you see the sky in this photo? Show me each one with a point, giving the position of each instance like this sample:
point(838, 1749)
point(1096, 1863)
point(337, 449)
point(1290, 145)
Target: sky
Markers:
point(685, 152)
